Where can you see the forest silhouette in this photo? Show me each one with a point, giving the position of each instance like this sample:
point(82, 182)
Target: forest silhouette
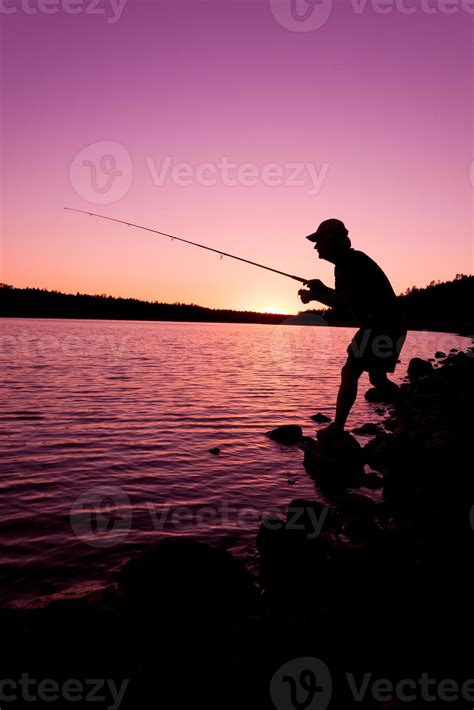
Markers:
point(442, 306)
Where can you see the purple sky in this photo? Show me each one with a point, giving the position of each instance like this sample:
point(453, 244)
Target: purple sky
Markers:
point(370, 114)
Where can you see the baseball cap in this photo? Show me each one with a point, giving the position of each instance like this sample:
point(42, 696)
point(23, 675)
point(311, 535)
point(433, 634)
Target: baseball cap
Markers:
point(335, 226)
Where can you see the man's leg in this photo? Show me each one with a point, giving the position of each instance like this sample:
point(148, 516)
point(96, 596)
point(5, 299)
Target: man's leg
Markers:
point(347, 394)
point(378, 378)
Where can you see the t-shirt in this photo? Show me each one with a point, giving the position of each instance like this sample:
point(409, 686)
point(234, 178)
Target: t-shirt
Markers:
point(374, 301)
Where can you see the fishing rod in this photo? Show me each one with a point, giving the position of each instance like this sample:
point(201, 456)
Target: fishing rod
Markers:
point(186, 241)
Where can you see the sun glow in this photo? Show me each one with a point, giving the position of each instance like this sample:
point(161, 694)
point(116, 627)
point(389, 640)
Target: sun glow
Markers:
point(273, 309)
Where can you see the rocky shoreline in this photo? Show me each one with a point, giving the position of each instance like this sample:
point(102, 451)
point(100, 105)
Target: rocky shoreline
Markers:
point(380, 586)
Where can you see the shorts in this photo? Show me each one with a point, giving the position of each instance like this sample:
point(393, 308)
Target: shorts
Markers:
point(376, 348)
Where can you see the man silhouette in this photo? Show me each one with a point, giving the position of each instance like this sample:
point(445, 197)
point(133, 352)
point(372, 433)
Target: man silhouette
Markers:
point(363, 288)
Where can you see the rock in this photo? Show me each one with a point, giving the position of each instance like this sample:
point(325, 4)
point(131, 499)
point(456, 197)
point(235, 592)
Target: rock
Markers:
point(419, 368)
point(305, 517)
point(184, 577)
point(393, 425)
point(359, 528)
point(375, 395)
point(270, 536)
point(380, 452)
point(288, 434)
point(293, 555)
point(215, 450)
point(339, 462)
point(440, 354)
point(458, 359)
point(275, 534)
point(368, 429)
point(320, 418)
point(454, 350)
point(356, 505)
point(373, 481)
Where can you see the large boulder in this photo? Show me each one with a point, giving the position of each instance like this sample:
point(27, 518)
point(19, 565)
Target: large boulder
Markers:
point(381, 452)
point(294, 553)
point(187, 578)
point(340, 462)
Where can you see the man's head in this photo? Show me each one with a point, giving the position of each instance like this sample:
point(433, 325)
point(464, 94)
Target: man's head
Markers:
point(330, 239)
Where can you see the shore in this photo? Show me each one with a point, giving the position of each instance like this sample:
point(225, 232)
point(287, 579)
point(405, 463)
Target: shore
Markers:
point(438, 307)
point(365, 585)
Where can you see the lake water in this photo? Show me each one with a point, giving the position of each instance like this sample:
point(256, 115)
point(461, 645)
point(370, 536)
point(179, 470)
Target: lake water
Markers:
point(106, 428)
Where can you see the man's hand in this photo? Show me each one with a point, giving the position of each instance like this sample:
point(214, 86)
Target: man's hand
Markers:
point(317, 292)
point(314, 285)
point(306, 296)
point(328, 296)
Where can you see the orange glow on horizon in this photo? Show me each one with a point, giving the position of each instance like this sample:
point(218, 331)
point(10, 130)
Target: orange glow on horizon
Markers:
point(275, 310)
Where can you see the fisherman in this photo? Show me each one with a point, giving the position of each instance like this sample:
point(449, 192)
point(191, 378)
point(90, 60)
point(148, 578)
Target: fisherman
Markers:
point(362, 288)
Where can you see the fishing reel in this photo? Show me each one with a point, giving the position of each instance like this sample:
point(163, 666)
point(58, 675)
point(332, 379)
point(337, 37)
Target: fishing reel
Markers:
point(305, 295)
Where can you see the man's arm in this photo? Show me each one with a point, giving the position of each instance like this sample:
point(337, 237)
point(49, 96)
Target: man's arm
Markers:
point(328, 296)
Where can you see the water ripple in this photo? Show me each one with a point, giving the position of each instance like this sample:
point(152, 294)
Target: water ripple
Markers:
point(133, 409)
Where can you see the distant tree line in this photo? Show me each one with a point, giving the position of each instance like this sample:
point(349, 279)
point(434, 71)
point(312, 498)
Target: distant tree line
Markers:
point(441, 306)
point(41, 303)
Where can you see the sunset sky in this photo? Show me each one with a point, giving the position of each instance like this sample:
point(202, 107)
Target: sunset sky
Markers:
point(238, 125)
